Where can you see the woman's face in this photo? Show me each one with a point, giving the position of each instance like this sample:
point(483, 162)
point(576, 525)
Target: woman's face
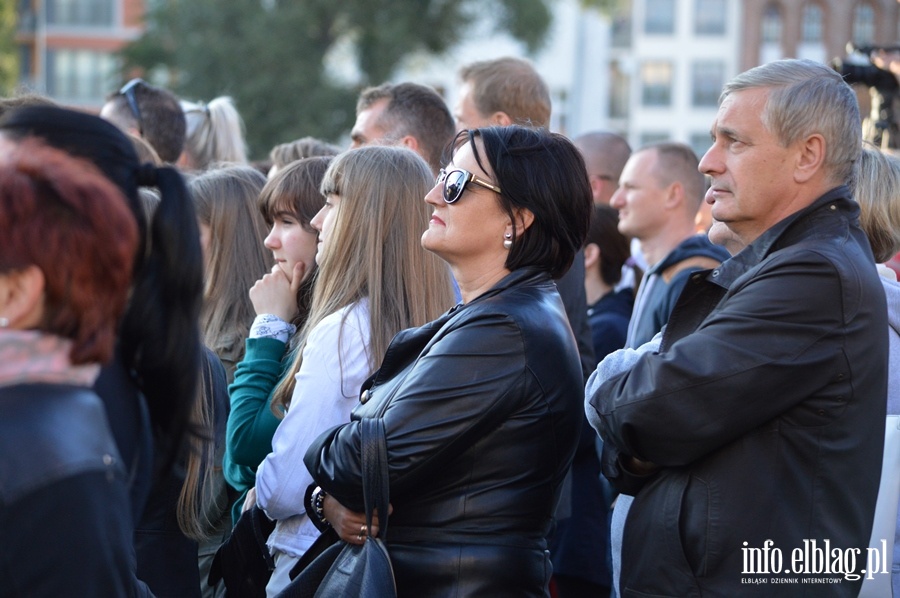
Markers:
point(473, 228)
point(291, 244)
point(323, 222)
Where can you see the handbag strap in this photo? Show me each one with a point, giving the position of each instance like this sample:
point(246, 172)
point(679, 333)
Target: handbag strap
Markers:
point(376, 485)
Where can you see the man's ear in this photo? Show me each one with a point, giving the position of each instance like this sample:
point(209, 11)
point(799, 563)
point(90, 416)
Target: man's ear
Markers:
point(674, 195)
point(22, 297)
point(810, 157)
point(591, 255)
point(501, 119)
point(410, 142)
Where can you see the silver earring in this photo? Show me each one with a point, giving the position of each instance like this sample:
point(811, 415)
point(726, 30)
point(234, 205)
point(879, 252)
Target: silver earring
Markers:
point(507, 241)
point(4, 322)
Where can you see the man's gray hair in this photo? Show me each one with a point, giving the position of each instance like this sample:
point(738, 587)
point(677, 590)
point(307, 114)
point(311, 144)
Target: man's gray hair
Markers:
point(808, 97)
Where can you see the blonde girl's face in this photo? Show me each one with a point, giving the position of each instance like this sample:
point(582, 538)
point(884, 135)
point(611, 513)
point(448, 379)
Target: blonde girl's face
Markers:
point(323, 222)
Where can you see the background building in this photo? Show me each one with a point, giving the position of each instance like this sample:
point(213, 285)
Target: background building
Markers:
point(649, 69)
point(67, 47)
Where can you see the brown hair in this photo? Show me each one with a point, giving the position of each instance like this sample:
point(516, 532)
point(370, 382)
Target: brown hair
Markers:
point(416, 110)
point(225, 200)
point(877, 191)
point(510, 85)
point(306, 147)
point(295, 190)
point(62, 215)
point(615, 248)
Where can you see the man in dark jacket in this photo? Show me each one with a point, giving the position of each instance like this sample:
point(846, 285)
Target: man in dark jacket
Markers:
point(660, 191)
point(752, 440)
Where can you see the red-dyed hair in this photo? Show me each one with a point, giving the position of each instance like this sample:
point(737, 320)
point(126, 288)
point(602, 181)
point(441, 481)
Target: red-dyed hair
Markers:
point(60, 214)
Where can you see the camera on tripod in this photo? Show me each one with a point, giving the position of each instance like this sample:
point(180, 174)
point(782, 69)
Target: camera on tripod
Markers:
point(857, 67)
point(880, 127)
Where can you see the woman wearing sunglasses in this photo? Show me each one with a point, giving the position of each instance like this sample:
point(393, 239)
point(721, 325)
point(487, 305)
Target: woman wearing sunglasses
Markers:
point(482, 407)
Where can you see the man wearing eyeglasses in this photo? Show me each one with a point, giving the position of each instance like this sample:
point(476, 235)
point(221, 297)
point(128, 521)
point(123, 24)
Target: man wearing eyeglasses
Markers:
point(149, 112)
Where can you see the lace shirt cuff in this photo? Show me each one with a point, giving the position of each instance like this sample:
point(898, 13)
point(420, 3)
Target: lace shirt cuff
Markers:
point(270, 326)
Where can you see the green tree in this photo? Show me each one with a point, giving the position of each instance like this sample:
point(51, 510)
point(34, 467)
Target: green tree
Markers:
point(9, 62)
point(269, 55)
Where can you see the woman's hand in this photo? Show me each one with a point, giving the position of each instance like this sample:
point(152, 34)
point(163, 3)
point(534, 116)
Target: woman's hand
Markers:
point(275, 294)
point(249, 500)
point(350, 525)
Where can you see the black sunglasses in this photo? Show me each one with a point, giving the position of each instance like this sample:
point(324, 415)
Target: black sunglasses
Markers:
point(128, 91)
point(455, 182)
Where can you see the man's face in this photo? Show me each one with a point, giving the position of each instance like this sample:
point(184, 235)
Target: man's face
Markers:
point(466, 114)
point(640, 198)
point(367, 130)
point(751, 172)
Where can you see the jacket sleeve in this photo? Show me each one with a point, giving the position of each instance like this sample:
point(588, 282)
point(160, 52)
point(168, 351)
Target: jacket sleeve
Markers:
point(335, 364)
point(769, 345)
point(251, 422)
point(468, 383)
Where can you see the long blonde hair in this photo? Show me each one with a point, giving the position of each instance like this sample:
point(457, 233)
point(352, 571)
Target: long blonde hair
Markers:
point(214, 135)
point(225, 200)
point(374, 252)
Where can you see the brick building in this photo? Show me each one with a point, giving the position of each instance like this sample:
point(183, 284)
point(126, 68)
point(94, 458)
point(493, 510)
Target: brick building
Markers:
point(67, 48)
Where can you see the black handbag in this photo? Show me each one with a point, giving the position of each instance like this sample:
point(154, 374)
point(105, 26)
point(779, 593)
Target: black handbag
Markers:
point(349, 570)
point(243, 560)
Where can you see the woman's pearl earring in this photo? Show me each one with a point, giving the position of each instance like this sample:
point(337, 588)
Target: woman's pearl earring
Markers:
point(507, 241)
point(4, 322)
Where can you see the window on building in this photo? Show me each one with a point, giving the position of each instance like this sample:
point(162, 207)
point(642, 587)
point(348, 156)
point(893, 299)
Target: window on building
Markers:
point(79, 76)
point(656, 83)
point(864, 25)
point(621, 31)
point(26, 64)
point(812, 23)
point(660, 16)
point(700, 143)
point(707, 78)
point(771, 25)
point(709, 17)
point(619, 96)
point(649, 137)
point(91, 13)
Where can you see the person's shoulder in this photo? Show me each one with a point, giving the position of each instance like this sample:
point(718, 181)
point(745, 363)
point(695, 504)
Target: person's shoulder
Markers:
point(352, 319)
point(64, 429)
point(699, 245)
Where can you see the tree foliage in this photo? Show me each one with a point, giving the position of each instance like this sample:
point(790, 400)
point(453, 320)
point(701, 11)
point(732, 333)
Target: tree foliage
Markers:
point(270, 55)
point(9, 59)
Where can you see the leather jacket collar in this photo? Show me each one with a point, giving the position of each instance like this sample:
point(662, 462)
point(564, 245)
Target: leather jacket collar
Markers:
point(770, 240)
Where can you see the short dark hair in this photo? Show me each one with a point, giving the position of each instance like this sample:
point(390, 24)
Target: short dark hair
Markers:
point(416, 110)
point(162, 120)
point(615, 248)
point(678, 162)
point(545, 174)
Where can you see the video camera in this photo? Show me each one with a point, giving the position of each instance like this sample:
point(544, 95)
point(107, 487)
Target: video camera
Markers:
point(881, 127)
point(857, 67)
